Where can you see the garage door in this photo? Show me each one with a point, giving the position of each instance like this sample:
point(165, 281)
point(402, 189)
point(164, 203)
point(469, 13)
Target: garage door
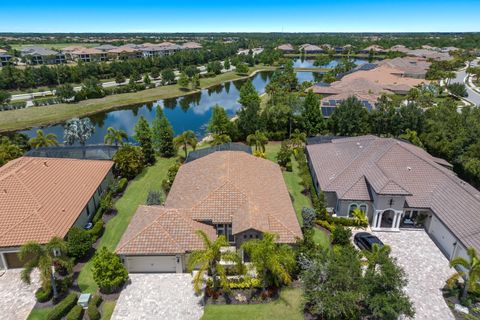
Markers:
point(151, 263)
point(442, 236)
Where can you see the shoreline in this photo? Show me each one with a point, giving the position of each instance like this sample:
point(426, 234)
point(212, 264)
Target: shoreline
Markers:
point(24, 119)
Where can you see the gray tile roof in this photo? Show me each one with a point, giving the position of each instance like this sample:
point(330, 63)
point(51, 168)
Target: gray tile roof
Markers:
point(40, 51)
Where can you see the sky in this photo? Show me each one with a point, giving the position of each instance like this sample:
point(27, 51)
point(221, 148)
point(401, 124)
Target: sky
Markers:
point(240, 16)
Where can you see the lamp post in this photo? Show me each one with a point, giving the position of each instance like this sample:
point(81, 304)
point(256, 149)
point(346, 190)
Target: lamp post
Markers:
point(54, 287)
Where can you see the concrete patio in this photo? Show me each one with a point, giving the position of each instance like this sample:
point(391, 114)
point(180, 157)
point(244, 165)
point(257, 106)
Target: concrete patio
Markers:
point(18, 298)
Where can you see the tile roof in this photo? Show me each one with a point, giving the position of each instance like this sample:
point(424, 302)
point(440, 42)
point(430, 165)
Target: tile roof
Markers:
point(40, 51)
point(396, 167)
point(223, 187)
point(192, 45)
point(43, 197)
point(285, 47)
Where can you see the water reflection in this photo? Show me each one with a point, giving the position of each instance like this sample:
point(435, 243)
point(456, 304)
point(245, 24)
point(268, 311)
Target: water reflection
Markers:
point(309, 63)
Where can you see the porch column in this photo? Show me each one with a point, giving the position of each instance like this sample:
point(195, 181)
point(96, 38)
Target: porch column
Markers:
point(400, 213)
point(395, 219)
point(375, 218)
point(379, 221)
point(4, 261)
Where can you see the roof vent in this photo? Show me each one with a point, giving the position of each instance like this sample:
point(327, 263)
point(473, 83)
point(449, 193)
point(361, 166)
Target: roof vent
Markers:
point(45, 163)
point(4, 190)
point(409, 168)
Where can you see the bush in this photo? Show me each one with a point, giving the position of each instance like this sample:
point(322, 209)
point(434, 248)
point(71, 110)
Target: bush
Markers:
point(129, 161)
point(62, 308)
point(97, 230)
point(168, 181)
point(325, 224)
point(154, 198)
point(458, 89)
point(93, 304)
point(108, 271)
point(341, 235)
point(42, 295)
point(122, 184)
point(79, 242)
point(75, 314)
point(98, 215)
point(284, 155)
point(308, 215)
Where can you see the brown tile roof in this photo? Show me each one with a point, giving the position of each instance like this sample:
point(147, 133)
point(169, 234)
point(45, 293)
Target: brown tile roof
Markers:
point(375, 48)
point(408, 65)
point(87, 51)
point(43, 197)
point(223, 187)
point(72, 48)
point(285, 47)
point(396, 167)
point(192, 45)
point(123, 49)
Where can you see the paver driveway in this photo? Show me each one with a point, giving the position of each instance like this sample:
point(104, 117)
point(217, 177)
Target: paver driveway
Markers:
point(17, 298)
point(159, 296)
point(427, 270)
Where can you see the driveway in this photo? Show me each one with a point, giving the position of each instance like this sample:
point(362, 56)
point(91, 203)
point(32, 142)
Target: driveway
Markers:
point(159, 296)
point(426, 268)
point(17, 298)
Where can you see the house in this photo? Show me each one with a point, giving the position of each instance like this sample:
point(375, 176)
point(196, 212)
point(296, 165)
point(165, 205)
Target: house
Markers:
point(229, 193)
point(105, 47)
point(412, 67)
point(375, 49)
point(286, 48)
point(40, 55)
point(399, 48)
point(44, 197)
point(311, 49)
point(397, 185)
point(5, 59)
point(159, 50)
point(88, 55)
point(124, 53)
point(191, 46)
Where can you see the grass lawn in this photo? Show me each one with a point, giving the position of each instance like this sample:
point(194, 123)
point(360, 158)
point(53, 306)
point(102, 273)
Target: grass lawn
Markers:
point(288, 307)
point(135, 194)
point(39, 314)
point(107, 309)
point(30, 117)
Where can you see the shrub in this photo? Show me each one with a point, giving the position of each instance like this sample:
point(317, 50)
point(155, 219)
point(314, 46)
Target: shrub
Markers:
point(308, 215)
point(154, 198)
point(108, 271)
point(325, 224)
point(79, 242)
point(42, 295)
point(129, 161)
point(75, 314)
point(284, 155)
point(98, 215)
point(97, 230)
point(168, 181)
point(93, 304)
point(106, 202)
point(119, 185)
point(259, 154)
point(341, 235)
point(62, 308)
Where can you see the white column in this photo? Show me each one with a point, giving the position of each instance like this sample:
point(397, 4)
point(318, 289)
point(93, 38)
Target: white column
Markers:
point(395, 219)
point(375, 218)
point(4, 260)
point(379, 222)
point(400, 213)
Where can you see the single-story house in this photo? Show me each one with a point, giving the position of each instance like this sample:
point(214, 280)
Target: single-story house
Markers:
point(44, 197)
point(286, 48)
point(376, 49)
point(229, 193)
point(397, 185)
point(311, 48)
point(5, 59)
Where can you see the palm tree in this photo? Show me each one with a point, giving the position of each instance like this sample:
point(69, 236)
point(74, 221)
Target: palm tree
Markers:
point(218, 139)
point(208, 261)
point(115, 136)
point(42, 140)
point(44, 258)
point(376, 256)
point(258, 139)
point(274, 262)
point(185, 139)
point(297, 139)
point(472, 267)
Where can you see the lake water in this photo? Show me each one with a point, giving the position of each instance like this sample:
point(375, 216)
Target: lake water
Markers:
point(308, 63)
point(191, 112)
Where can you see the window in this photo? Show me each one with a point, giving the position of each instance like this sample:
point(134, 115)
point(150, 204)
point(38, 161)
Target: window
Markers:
point(351, 208)
point(364, 208)
point(230, 237)
point(220, 229)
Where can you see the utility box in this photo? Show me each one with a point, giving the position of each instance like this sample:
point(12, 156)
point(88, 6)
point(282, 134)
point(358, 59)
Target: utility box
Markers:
point(84, 299)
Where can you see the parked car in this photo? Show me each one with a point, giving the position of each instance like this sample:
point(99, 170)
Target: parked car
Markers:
point(365, 240)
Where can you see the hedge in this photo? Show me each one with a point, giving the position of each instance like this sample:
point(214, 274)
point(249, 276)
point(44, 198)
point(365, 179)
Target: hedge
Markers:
point(75, 314)
point(62, 308)
point(92, 311)
point(97, 230)
point(43, 296)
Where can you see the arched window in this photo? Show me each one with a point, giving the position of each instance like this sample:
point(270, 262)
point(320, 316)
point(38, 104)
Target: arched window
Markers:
point(364, 208)
point(351, 208)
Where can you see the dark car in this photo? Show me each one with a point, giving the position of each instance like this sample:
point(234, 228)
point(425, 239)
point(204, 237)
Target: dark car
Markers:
point(365, 240)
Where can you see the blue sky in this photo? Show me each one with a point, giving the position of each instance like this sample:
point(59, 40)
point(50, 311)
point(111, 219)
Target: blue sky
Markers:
point(239, 16)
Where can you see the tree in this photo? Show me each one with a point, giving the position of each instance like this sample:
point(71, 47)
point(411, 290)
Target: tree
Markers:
point(248, 116)
point(185, 139)
point(42, 140)
point(155, 73)
point(183, 81)
point(471, 273)
point(226, 64)
point(143, 134)
point(120, 78)
point(284, 156)
point(274, 262)
point(5, 97)
point(92, 89)
point(219, 122)
point(412, 136)
point(297, 139)
point(79, 242)
point(208, 261)
point(341, 235)
point(43, 258)
point(114, 136)
point(241, 68)
point(196, 81)
point(312, 114)
point(259, 140)
point(168, 76)
point(65, 92)
point(162, 137)
point(308, 216)
point(214, 67)
point(350, 118)
point(147, 80)
point(9, 150)
point(128, 161)
point(135, 76)
point(109, 273)
point(377, 256)
point(458, 89)
point(218, 139)
point(76, 130)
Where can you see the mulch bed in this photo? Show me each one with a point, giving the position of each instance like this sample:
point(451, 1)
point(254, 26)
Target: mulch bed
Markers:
point(242, 296)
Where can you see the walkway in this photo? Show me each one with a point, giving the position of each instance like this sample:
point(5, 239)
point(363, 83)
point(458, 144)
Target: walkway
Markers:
point(17, 298)
point(426, 268)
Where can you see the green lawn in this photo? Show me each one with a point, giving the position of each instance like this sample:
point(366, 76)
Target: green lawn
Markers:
point(135, 195)
point(107, 309)
point(13, 120)
point(288, 307)
point(39, 314)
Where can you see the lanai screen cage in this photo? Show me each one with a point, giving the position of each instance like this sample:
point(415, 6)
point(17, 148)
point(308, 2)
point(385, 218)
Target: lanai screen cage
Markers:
point(231, 146)
point(92, 152)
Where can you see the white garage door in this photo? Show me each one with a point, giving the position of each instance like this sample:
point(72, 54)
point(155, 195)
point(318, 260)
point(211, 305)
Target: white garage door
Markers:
point(443, 237)
point(151, 263)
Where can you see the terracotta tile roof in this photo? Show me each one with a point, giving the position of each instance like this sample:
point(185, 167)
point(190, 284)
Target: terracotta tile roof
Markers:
point(285, 47)
point(192, 45)
point(223, 187)
point(43, 197)
point(392, 166)
point(123, 49)
point(87, 51)
point(72, 48)
point(375, 48)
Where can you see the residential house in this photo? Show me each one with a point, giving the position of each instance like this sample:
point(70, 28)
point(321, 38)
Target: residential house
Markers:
point(41, 198)
point(229, 193)
point(5, 59)
point(311, 49)
point(375, 49)
point(191, 46)
point(105, 47)
point(412, 67)
point(286, 48)
point(399, 48)
point(89, 55)
point(124, 53)
point(40, 55)
point(397, 185)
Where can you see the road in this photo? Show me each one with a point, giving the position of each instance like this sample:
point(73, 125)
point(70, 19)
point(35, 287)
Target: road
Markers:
point(461, 77)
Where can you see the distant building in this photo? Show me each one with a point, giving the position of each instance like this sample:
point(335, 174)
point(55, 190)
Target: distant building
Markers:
point(89, 55)
point(40, 55)
point(311, 49)
point(376, 49)
point(5, 59)
point(286, 48)
point(106, 47)
point(192, 46)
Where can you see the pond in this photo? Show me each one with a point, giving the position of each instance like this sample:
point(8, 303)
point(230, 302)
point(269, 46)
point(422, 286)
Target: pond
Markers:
point(309, 63)
point(190, 112)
